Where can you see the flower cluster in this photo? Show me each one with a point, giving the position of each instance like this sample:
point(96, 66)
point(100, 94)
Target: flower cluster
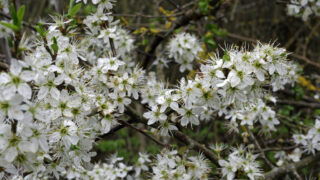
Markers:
point(170, 165)
point(241, 160)
point(304, 8)
point(311, 141)
point(284, 157)
point(232, 86)
point(55, 102)
point(69, 86)
point(184, 49)
point(113, 170)
point(102, 4)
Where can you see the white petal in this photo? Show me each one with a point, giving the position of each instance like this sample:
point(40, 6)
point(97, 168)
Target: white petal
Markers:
point(260, 75)
point(4, 78)
point(44, 144)
point(234, 81)
point(16, 114)
point(25, 90)
point(43, 92)
point(11, 154)
point(220, 74)
point(3, 144)
point(9, 91)
point(55, 93)
point(15, 68)
point(27, 75)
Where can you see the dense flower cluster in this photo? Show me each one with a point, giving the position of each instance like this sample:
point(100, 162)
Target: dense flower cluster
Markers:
point(304, 8)
point(311, 141)
point(65, 92)
point(46, 100)
point(184, 49)
point(240, 160)
point(231, 85)
point(170, 165)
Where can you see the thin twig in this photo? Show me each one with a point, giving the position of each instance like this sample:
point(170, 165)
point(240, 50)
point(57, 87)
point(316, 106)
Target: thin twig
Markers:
point(295, 172)
point(147, 15)
point(275, 172)
point(259, 148)
point(299, 103)
point(144, 133)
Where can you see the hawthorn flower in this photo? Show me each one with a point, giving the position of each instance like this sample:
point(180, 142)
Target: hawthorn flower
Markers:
point(107, 64)
point(108, 33)
point(141, 164)
point(295, 155)
point(120, 100)
point(155, 115)
point(11, 108)
point(48, 86)
point(228, 169)
point(66, 133)
point(184, 48)
point(107, 122)
point(168, 100)
point(16, 80)
point(166, 127)
point(189, 114)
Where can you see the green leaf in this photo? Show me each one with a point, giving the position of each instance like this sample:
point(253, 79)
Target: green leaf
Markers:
point(317, 112)
point(212, 44)
point(54, 46)
point(14, 15)
point(11, 26)
point(40, 30)
point(20, 13)
point(74, 10)
point(203, 5)
point(226, 56)
point(70, 6)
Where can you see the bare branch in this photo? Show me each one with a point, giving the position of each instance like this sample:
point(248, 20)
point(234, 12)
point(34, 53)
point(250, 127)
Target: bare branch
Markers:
point(259, 148)
point(144, 133)
point(291, 167)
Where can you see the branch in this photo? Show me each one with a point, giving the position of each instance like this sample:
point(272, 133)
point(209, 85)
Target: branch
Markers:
point(299, 103)
point(190, 15)
point(259, 148)
point(291, 167)
point(177, 134)
point(113, 49)
point(144, 133)
point(195, 145)
point(182, 21)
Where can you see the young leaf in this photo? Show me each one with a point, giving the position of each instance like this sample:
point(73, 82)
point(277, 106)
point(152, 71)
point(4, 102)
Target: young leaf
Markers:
point(11, 26)
point(20, 13)
point(74, 10)
point(70, 6)
point(39, 29)
point(54, 46)
point(14, 14)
